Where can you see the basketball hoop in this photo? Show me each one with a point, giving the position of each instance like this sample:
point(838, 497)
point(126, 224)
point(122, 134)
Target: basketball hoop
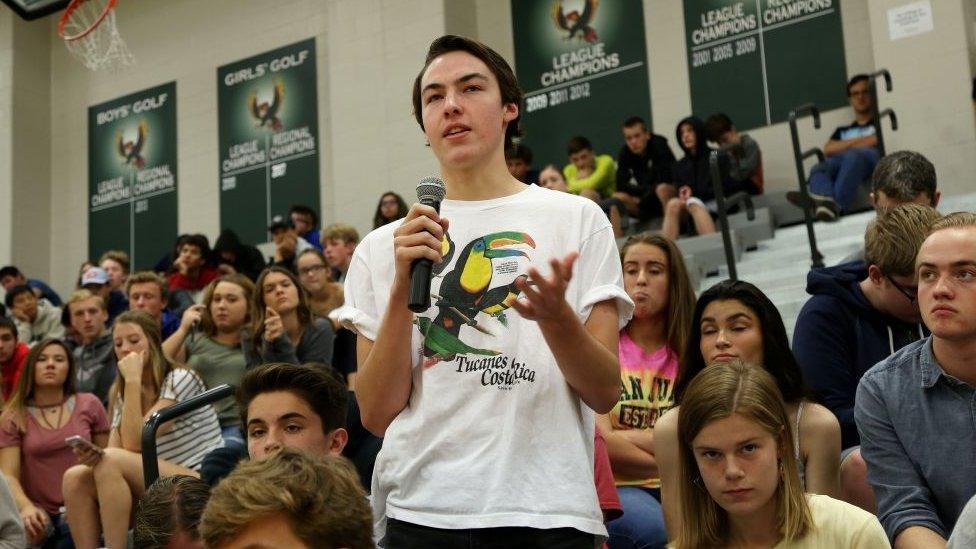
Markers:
point(89, 32)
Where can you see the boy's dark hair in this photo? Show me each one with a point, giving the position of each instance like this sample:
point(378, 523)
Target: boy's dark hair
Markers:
point(172, 504)
point(856, 79)
point(302, 209)
point(903, 175)
point(507, 83)
point(634, 121)
point(317, 384)
point(716, 125)
point(16, 291)
point(521, 152)
point(10, 270)
point(577, 144)
point(198, 240)
point(7, 324)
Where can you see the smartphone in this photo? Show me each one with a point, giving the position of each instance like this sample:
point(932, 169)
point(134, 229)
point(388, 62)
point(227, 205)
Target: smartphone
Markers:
point(79, 442)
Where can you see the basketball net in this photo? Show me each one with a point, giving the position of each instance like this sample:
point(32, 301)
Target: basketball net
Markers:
point(90, 34)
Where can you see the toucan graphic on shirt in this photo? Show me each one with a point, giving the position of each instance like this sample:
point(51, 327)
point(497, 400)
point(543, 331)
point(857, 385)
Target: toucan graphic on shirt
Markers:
point(466, 295)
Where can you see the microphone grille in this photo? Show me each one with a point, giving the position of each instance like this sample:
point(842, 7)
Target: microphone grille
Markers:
point(431, 188)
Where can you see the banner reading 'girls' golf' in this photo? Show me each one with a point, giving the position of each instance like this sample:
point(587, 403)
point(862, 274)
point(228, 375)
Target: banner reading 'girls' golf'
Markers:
point(268, 136)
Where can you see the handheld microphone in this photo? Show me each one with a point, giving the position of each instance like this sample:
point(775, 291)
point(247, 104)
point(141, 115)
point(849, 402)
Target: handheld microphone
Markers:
point(430, 192)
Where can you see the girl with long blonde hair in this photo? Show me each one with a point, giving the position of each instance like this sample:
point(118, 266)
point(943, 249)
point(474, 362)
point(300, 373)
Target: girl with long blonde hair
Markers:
point(100, 493)
point(739, 484)
point(657, 281)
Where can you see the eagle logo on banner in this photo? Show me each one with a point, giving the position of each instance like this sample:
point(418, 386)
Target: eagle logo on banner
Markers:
point(576, 25)
point(266, 112)
point(131, 150)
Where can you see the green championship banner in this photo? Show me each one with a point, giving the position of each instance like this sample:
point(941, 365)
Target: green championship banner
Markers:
point(132, 176)
point(756, 60)
point(268, 136)
point(583, 66)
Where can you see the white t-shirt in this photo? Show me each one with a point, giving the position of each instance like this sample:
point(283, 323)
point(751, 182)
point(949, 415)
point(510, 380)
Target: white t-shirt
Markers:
point(839, 524)
point(492, 435)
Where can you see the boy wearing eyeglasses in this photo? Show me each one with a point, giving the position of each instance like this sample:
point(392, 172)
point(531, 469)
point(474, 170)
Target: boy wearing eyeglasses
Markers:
point(859, 313)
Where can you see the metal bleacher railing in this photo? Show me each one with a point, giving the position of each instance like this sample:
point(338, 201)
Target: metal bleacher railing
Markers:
point(724, 204)
point(150, 466)
point(799, 155)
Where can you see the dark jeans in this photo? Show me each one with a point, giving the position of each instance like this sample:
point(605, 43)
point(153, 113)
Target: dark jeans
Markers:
point(642, 525)
point(840, 175)
point(405, 535)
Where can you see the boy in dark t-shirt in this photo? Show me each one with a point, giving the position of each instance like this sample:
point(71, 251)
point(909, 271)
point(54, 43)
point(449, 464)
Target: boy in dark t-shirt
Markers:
point(851, 156)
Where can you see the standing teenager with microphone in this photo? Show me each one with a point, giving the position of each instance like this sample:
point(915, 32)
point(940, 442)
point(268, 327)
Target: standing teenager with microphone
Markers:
point(486, 399)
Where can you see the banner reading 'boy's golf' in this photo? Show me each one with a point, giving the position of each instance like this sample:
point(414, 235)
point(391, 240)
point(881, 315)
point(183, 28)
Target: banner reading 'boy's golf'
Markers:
point(583, 66)
point(268, 137)
point(132, 175)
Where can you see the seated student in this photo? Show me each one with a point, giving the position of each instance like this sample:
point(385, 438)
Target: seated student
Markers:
point(11, 276)
point(851, 155)
point(94, 353)
point(233, 256)
point(283, 328)
point(168, 515)
point(115, 263)
point(35, 318)
point(644, 170)
point(390, 208)
point(518, 158)
point(858, 315)
point(96, 280)
point(11, 527)
point(44, 411)
point(13, 353)
point(588, 174)
point(148, 292)
point(656, 279)
point(745, 160)
point(738, 480)
point(292, 406)
point(191, 268)
point(552, 178)
point(914, 409)
point(693, 178)
point(901, 177)
point(339, 242)
point(209, 341)
point(324, 296)
point(291, 499)
point(99, 494)
point(287, 243)
point(306, 223)
point(735, 320)
point(285, 405)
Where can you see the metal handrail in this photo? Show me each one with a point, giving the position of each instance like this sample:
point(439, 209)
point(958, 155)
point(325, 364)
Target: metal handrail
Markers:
point(723, 217)
point(876, 114)
point(816, 258)
point(150, 465)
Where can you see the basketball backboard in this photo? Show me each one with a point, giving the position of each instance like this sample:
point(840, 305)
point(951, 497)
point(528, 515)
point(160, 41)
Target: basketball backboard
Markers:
point(32, 9)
